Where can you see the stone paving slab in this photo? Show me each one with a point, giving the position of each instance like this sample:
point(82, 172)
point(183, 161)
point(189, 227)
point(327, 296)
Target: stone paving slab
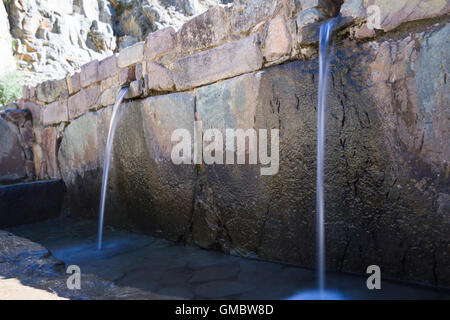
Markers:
point(160, 267)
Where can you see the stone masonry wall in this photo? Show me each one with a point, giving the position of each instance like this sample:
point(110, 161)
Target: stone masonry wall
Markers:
point(253, 64)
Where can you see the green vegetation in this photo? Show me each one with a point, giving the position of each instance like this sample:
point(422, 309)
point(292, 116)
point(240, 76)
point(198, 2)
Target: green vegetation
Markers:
point(10, 87)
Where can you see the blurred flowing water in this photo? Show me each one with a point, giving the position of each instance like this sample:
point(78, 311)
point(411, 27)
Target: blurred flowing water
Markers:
point(107, 161)
point(325, 50)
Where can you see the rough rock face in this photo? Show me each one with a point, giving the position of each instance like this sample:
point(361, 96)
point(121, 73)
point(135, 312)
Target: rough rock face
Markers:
point(6, 56)
point(16, 141)
point(52, 38)
point(12, 158)
point(135, 19)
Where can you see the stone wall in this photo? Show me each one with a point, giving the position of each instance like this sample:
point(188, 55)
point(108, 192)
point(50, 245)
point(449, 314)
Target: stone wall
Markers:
point(254, 64)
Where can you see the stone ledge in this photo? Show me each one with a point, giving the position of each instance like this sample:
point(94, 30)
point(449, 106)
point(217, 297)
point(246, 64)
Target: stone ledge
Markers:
point(223, 62)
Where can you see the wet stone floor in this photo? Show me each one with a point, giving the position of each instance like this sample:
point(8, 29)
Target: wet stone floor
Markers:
point(175, 270)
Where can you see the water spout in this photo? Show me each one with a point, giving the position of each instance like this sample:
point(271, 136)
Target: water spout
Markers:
point(324, 55)
point(107, 161)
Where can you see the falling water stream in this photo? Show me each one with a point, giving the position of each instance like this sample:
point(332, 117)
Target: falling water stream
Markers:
point(325, 50)
point(107, 161)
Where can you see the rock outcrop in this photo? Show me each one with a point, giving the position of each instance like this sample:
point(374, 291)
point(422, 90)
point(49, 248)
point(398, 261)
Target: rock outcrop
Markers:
point(53, 38)
point(6, 56)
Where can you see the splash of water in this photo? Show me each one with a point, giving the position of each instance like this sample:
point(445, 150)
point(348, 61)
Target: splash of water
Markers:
point(107, 161)
point(325, 50)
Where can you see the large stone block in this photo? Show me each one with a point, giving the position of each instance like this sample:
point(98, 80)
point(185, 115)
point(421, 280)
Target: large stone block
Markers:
point(12, 157)
point(206, 30)
point(146, 202)
point(159, 78)
point(219, 63)
point(89, 74)
point(394, 13)
point(278, 42)
point(55, 113)
point(248, 13)
point(82, 101)
point(131, 55)
point(220, 215)
point(49, 151)
point(80, 159)
point(107, 67)
point(50, 90)
point(109, 96)
point(73, 83)
point(159, 43)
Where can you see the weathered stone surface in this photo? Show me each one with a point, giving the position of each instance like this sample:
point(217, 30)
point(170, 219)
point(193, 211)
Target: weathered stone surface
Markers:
point(159, 43)
point(36, 111)
point(159, 78)
point(219, 220)
point(73, 83)
point(134, 90)
point(140, 70)
point(50, 90)
point(80, 159)
point(12, 157)
point(146, 128)
point(127, 75)
point(248, 13)
point(107, 67)
point(82, 101)
point(278, 42)
point(207, 30)
point(29, 202)
point(310, 16)
point(109, 96)
point(55, 112)
point(353, 9)
point(49, 152)
point(395, 13)
point(131, 55)
point(145, 202)
point(219, 63)
point(109, 83)
point(412, 94)
point(38, 161)
point(89, 73)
